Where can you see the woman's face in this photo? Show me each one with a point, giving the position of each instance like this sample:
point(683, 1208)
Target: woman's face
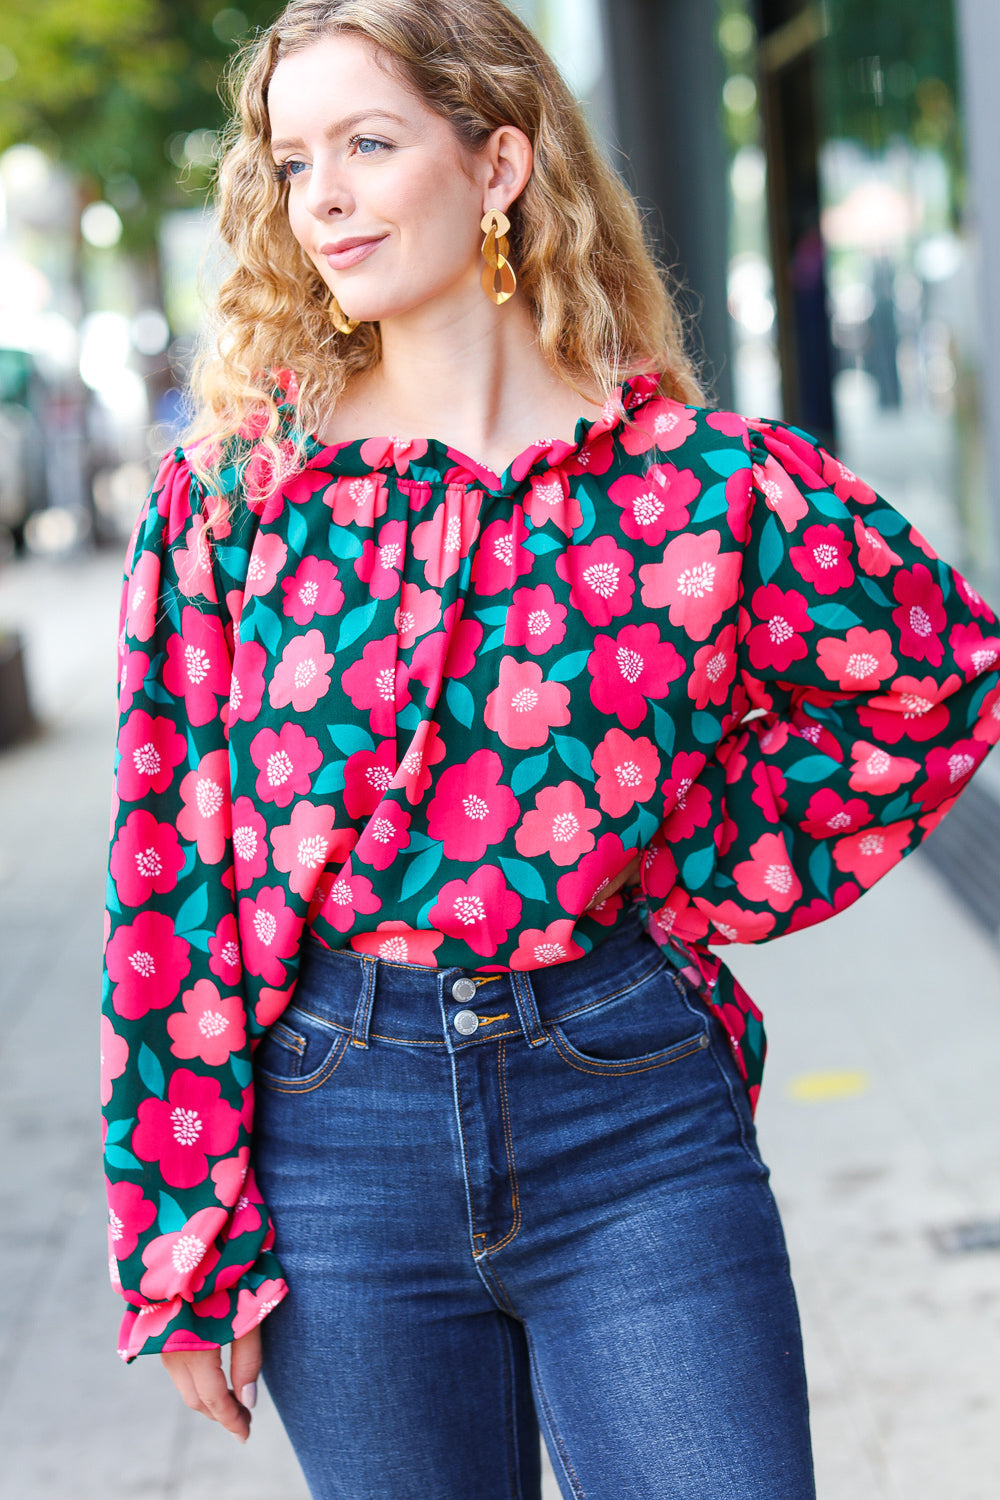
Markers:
point(382, 196)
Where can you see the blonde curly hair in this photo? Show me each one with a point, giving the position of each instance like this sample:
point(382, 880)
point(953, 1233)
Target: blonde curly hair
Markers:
point(600, 304)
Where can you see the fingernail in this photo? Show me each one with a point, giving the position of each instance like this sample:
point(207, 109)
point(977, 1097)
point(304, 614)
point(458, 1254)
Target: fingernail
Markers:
point(248, 1395)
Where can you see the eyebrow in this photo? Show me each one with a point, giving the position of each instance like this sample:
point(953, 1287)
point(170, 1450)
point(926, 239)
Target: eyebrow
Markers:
point(342, 127)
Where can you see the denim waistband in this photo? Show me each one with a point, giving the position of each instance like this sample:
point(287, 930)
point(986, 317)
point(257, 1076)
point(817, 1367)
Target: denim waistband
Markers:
point(374, 998)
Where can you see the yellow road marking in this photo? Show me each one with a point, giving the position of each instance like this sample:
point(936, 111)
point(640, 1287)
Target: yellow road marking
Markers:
point(809, 1088)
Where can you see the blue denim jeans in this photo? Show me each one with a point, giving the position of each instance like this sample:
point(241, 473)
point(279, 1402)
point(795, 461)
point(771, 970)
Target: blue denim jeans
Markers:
point(512, 1199)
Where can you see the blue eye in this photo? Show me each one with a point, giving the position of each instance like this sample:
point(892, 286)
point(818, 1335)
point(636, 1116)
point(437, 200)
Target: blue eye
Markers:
point(368, 145)
point(284, 171)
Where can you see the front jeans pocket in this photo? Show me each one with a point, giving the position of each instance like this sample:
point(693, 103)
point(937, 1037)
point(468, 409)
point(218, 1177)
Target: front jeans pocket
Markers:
point(299, 1052)
point(647, 1024)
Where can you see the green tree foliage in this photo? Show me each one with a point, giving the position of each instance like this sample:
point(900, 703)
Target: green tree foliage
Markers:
point(124, 92)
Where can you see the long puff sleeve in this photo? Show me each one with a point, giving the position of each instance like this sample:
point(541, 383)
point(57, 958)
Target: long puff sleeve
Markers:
point(858, 688)
point(189, 1236)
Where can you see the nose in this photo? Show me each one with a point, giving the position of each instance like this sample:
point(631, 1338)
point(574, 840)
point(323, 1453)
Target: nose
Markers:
point(327, 194)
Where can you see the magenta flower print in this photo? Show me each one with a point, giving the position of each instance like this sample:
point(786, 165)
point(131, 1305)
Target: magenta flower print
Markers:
point(973, 652)
point(780, 493)
point(313, 589)
point(368, 775)
point(656, 502)
point(285, 762)
point(179, 1264)
point(269, 931)
point(379, 565)
point(846, 484)
point(302, 677)
point(501, 557)
point(357, 501)
point(769, 875)
point(577, 890)
point(870, 854)
point(224, 951)
point(413, 774)
point(419, 611)
point(141, 596)
point(599, 574)
point(914, 706)
point(948, 768)
point(378, 682)
point(182, 1131)
point(630, 668)
point(450, 652)
point(549, 500)
point(862, 660)
point(829, 814)
point(230, 1175)
point(659, 423)
point(714, 670)
point(696, 581)
point(114, 1058)
point(820, 911)
point(733, 924)
point(540, 948)
point(381, 452)
point(197, 667)
point(249, 843)
point(481, 911)
point(150, 749)
point(974, 601)
point(129, 1215)
point(875, 770)
point(524, 708)
point(146, 962)
point(210, 1026)
point(204, 818)
point(783, 620)
point(921, 616)
point(246, 686)
point(535, 620)
point(399, 944)
point(267, 561)
point(347, 897)
point(446, 537)
point(559, 825)
point(145, 857)
point(824, 559)
point(988, 727)
point(471, 809)
point(626, 769)
point(252, 1307)
point(386, 832)
point(875, 556)
point(132, 669)
point(193, 562)
point(689, 803)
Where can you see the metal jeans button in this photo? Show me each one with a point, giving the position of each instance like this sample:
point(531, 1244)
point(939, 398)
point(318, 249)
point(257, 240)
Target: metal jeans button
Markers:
point(464, 989)
point(466, 1022)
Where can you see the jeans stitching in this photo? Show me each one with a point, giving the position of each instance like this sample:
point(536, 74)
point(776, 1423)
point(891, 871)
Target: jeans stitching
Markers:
point(465, 1158)
point(615, 995)
point(616, 1068)
point(312, 1080)
point(508, 1136)
point(510, 1409)
point(560, 1446)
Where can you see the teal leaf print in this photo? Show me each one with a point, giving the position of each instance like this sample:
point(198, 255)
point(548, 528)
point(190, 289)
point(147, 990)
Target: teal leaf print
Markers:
point(772, 549)
point(575, 755)
point(587, 512)
point(944, 578)
point(541, 542)
point(829, 504)
point(496, 614)
point(712, 503)
point(356, 624)
point(151, 1071)
point(111, 896)
point(494, 639)
point(698, 867)
point(119, 1129)
point(190, 860)
point(887, 522)
point(528, 773)
point(298, 531)
point(639, 833)
point(897, 808)
point(706, 727)
point(570, 667)
point(417, 842)
point(664, 729)
point(461, 703)
point(409, 717)
point(727, 461)
point(234, 560)
point(878, 595)
point(241, 1068)
point(268, 627)
point(171, 1217)
point(820, 868)
point(156, 691)
point(812, 768)
point(350, 738)
point(834, 616)
point(117, 1156)
point(421, 871)
point(344, 544)
point(200, 938)
point(524, 878)
point(331, 779)
point(194, 911)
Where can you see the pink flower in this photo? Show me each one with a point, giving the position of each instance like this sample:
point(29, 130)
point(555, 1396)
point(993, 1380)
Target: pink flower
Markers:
point(114, 1058)
point(921, 617)
point(224, 951)
point(820, 911)
point(146, 961)
point(875, 770)
point(655, 503)
point(229, 1176)
point(442, 541)
point(846, 484)
point(367, 777)
point(180, 1263)
point(973, 600)
point(150, 749)
point(380, 565)
point(129, 1215)
point(249, 843)
point(314, 589)
point(146, 1323)
point(768, 875)
point(697, 582)
point(549, 499)
point(559, 825)
point(875, 556)
point(782, 619)
point(450, 652)
point(302, 677)
point(132, 669)
point(627, 770)
point(824, 559)
point(688, 803)
point(357, 501)
point(347, 897)
point(863, 660)
point(828, 814)
point(780, 493)
point(305, 845)
point(730, 423)
point(714, 670)
point(973, 652)
point(209, 1027)
point(987, 728)
point(577, 890)
point(479, 912)
point(535, 620)
point(735, 925)
point(626, 671)
point(205, 815)
point(145, 857)
point(398, 944)
point(599, 574)
point(253, 1307)
point(198, 665)
point(285, 762)
point(193, 562)
point(914, 707)
point(539, 948)
point(386, 832)
point(868, 855)
point(470, 809)
point(948, 769)
point(141, 596)
point(419, 611)
point(524, 708)
point(380, 452)
point(660, 423)
point(501, 557)
point(413, 774)
point(246, 687)
point(678, 917)
point(378, 682)
point(269, 931)
point(182, 1131)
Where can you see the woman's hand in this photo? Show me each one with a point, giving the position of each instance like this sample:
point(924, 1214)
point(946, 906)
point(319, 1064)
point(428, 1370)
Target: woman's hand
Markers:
point(199, 1376)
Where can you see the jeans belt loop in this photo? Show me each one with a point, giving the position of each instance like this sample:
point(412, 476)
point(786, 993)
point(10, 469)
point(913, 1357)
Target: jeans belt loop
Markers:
point(527, 1009)
point(363, 1013)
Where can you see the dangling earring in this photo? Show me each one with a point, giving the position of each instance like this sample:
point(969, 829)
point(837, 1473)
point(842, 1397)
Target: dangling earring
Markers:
point(339, 318)
point(496, 227)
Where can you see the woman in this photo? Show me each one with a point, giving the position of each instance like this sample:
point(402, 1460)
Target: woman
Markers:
point(447, 759)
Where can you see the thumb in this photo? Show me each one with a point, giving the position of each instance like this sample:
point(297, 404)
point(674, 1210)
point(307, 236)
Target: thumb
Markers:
point(244, 1367)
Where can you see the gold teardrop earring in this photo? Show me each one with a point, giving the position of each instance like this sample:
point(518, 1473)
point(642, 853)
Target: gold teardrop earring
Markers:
point(339, 318)
point(496, 227)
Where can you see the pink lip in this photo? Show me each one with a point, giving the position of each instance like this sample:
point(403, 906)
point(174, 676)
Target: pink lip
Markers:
point(343, 253)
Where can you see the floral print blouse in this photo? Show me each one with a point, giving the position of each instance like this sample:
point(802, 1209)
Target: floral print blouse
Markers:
point(430, 713)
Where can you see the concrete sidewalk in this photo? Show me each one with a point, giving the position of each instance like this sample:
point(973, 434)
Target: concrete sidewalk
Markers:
point(879, 1116)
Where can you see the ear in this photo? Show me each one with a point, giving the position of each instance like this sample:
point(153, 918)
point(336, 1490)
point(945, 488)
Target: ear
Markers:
point(508, 161)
